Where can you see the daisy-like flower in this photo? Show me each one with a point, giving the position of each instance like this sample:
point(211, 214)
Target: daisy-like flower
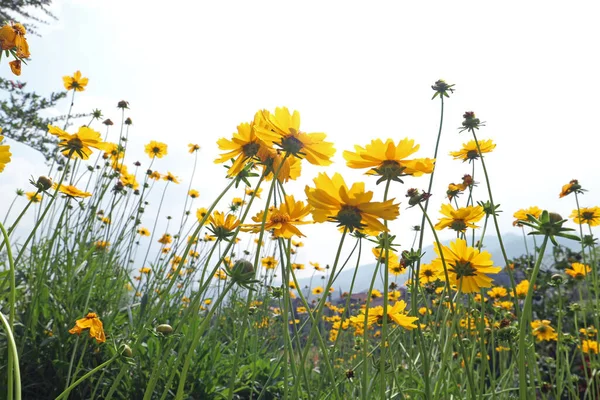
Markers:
point(154, 175)
point(578, 271)
point(201, 213)
point(454, 190)
point(380, 255)
point(79, 144)
point(522, 289)
point(269, 262)
point(193, 148)
point(469, 150)
point(388, 159)
point(460, 219)
point(497, 292)
point(194, 194)
point(297, 266)
point(165, 239)
point(282, 221)
point(274, 160)
point(237, 202)
point(316, 266)
point(586, 215)
point(4, 154)
point(75, 82)
point(143, 232)
point(13, 35)
point(15, 67)
point(93, 323)
point(589, 346)
point(542, 330)
point(467, 267)
point(102, 244)
point(283, 131)
point(396, 268)
point(397, 313)
point(317, 291)
point(222, 226)
point(571, 187)
point(71, 191)
point(427, 274)
point(375, 294)
point(33, 197)
point(251, 192)
point(350, 208)
point(521, 215)
point(156, 149)
point(169, 177)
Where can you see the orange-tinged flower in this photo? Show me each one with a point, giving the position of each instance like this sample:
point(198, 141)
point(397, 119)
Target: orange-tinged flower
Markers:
point(543, 331)
point(75, 82)
point(12, 36)
point(586, 215)
point(283, 219)
point(166, 239)
point(156, 149)
point(15, 67)
point(193, 148)
point(143, 232)
point(284, 131)
point(578, 270)
point(4, 154)
point(71, 191)
point(169, 177)
point(521, 215)
point(388, 159)
point(350, 208)
point(461, 218)
point(469, 150)
point(79, 144)
point(467, 267)
point(571, 187)
point(93, 323)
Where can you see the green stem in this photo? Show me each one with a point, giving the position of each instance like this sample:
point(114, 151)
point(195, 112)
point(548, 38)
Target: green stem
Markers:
point(14, 378)
point(66, 392)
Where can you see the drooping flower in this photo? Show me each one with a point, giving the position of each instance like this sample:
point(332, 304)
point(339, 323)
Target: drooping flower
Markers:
point(542, 330)
point(169, 177)
point(194, 194)
point(71, 191)
point(459, 219)
point(578, 271)
point(397, 313)
point(282, 221)
point(388, 159)
point(13, 35)
point(93, 323)
point(467, 267)
point(521, 215)
point(4, 154)
point(350, 208)
point(469, 150)
point(571, 187)
point(79, 144)
point(15, 67)
point(586, 215)
point(283, 131)
point(75, 82)
point(193, 148)
point(156, 149)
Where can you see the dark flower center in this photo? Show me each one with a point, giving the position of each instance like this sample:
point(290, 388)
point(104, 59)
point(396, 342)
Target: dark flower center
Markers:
point(472, 154)
point(463, 269)
point(75, 143)
point(587, 215)
point(349, 217)
point(458, 225)
point(278, 218)
point(291, 144)
point(156, 150)
point(250, 149)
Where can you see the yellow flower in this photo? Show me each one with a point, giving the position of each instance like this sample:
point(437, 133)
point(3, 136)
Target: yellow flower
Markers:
point(34, 197)
point(282, 220)
point(570, 187)
point(170, 178)
point(75, 82)
point(522, 289)
point(128, 179)
point(165, 239)
point(586, 215)
point(251, 192)
point(521, 215)
point(156, 149)
point(145, 270)
point(201, 213)
point(71, 191)
point(388, 159)
point(93, 323)
point(222, 226)
point(79, 144)
point(154, 175)
point(543, 331)
point(350, 208)
point(589, 346)
point(193, 147)
point(467, 267)
point(102, 244)
point(12, 36)
point(397, 313)
point(237, 202)
point(459, 219)
point(269, 262)
point(4, 154)
point(297, 266)
point(143, 232)
point(578, 270)
point(272, 162)
point(497, 292)
point(317, 291)
point(397, 268)
point(15, 67)
point(316, 266)
point(243, 147)
point(283, 130)
point(375, 294)
point(193, 194)
point(427, 274)
point(469, 150)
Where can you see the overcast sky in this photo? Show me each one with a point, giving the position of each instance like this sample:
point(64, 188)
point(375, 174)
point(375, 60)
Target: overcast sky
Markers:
point(193, 70)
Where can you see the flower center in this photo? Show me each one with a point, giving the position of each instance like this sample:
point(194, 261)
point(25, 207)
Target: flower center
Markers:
point(155, 150)
point(350, 217)
point(458, 225)
point(463, 269)
point(250, 149)
point(291, 144)
point(472, 154)
point(75, 143)
point(280, 218)
point(587, 216)
point(428, 273)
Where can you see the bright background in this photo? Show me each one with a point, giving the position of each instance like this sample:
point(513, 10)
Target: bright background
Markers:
point(193, 70)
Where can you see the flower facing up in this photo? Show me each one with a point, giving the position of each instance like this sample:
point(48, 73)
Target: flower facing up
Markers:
point(156, 149)
point(79, 144)
point(93, 323)
point(283, 131)
point(351, 208)
point(282, 221)
point(521, 215)
point(543, 331)
point(397, 313)
point(571, 187)
point(4, 154)
point(71, 191)
point(578, 271)
point(222, 226)
point(589, 215)
point(388, 160)
point(467, 266)
point(469, 150)
point(461, 218)
point(13, 35)
point(75, 82)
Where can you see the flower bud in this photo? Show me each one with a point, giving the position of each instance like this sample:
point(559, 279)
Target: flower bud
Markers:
point(126, 350)
point(44, 183)
point(165, 329)
point(123, 104)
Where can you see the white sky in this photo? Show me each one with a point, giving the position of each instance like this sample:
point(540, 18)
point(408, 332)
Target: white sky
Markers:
point(193, 70)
